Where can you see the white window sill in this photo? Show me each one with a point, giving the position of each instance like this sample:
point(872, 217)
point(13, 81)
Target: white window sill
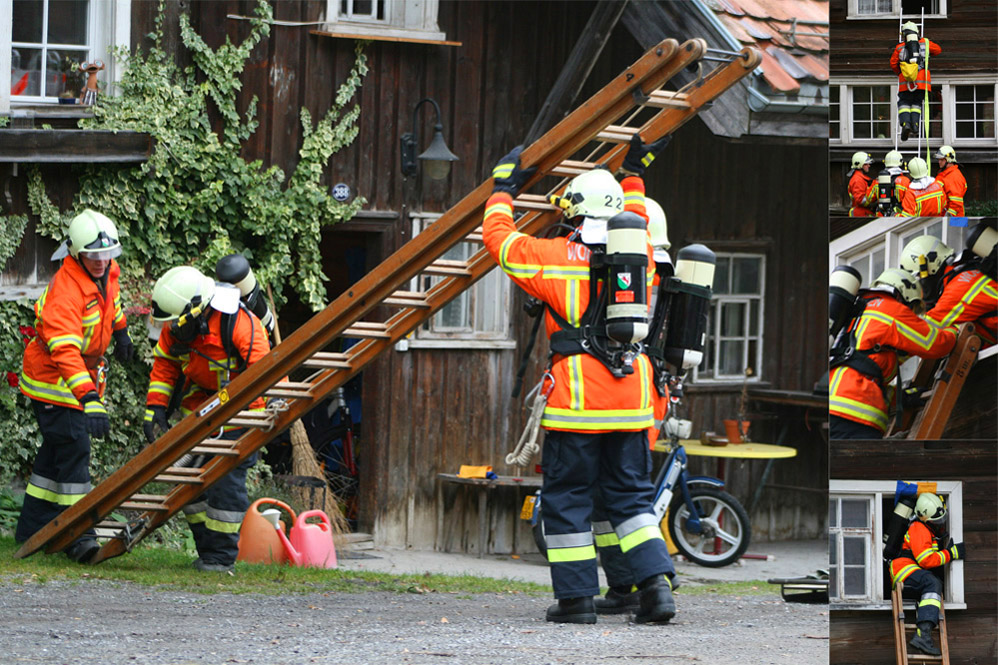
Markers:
point(379, 34)
point(460, 344)
point(886, 17)
point(885, 606)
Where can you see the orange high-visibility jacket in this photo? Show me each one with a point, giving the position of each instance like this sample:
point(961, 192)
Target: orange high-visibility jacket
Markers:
point(955, 186)
point(889, 323)
point(660, 403)
point(928, 202)
point(863, 191)
point(900, 187)
point(74, 322)
point(204, 362)
point(923, 548)
point(924, 80)
point(586, 397)
point(969, 296)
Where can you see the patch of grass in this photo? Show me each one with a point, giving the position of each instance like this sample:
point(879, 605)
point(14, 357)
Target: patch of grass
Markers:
point(170, 569)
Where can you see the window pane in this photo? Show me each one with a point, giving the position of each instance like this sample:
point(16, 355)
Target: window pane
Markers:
point(67, 22)
point(854, 550)
point(27, 15)
point(833, 513)
point(833, 546)
point(721, 273)
point(25, 71)
point(935, 229)
point(854, 513)
point(753, 357)
point(731, 357)
point(833, 583)
point(861, 95)
point(855, 581)
point(833, 112)
point(754, 317)
point(746, 275)
point(878, 263)
point(862, 265)
point(732, 319)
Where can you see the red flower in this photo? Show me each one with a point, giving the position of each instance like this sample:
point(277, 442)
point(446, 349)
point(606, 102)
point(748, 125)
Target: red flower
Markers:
point(12, 379)
point(28, 331)
point(137, 309)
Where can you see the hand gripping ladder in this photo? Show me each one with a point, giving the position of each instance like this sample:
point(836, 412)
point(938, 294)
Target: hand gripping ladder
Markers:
point(637, 88)
point(903, 632)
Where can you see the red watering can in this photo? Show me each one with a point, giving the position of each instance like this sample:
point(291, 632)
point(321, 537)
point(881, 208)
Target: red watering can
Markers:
point(260, 537)
point(311, 544)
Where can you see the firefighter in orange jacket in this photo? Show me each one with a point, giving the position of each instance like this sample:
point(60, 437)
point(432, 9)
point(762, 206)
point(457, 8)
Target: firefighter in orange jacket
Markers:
point(862, 186)
point(865, 358)
point(924, 197)
point(910, 54)
point(952, 180)
point(920, 553)
point(894, 163)
point(64, 371)
point(206, 340)
point(597, 414)
point(965, 293)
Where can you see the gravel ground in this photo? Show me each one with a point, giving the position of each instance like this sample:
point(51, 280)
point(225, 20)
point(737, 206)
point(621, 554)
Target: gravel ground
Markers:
point(95, 621)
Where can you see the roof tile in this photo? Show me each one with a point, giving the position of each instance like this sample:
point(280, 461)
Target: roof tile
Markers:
point(736, 29)
point(776, 76)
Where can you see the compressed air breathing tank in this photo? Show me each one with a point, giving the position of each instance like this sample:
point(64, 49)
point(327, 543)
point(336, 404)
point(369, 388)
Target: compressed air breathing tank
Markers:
point(235, 269)
point(627, 260)
point(687, 294)
point(897, 523)
point(885, 186)
point(843, 287)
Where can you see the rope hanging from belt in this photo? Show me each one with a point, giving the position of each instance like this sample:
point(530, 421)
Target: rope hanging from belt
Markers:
point(527, 446)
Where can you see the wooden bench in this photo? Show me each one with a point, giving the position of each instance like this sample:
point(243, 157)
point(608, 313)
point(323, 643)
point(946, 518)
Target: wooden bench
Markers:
point(484, 485)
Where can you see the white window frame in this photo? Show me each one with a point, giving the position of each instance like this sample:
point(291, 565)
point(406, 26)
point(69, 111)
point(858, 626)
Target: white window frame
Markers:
point(854, 15)
point(408, 19)
point(109, 25)
point(425, 337)
point(889, 232)
point(714, 338)
point(878, 490)
point(836, 536)
point(947, 84)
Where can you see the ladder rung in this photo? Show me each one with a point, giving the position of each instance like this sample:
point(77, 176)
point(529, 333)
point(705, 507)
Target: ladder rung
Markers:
point(407, 299)
point(533, 202)
point(366, 331)
point(474, 236)
point(571, 168)
point(215, 450)
point(254, 415)
point(155, 498)
point(328, 360)
point(249, 422)
point(110, 524)
point(447, 268)
point(616, 134)
point(143, 505)
point(179, 480)
point(667, 99)
point(290, 389)
point(924, 657)
point(183, 470)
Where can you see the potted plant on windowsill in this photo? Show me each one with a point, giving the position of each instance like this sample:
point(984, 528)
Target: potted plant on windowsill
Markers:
point(737, 430)
point(72, 81)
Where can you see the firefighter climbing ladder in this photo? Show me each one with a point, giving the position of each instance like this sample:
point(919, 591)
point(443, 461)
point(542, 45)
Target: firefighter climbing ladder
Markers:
point(607, 120)
point(930, 421)
point(924, 117)
point(902, 630)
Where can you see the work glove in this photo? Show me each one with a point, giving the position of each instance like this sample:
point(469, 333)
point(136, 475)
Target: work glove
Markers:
point(93, 409)
point(509, 176)
point(123, 347)
point(155, 415)
point(640, 155)
point(956, 550)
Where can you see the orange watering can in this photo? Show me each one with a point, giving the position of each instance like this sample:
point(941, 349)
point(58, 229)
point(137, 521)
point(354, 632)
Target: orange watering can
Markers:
point(312, 544)
point(261, 537)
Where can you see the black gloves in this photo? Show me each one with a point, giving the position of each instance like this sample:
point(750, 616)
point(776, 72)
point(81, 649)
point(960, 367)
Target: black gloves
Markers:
point(123, 347)
point(97, 422)
point(956, 550)
point(155, 415)
point(640, 155)
point(508, 175)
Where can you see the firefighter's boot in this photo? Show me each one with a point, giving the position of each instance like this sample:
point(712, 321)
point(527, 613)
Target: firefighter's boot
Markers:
point(657, 605)
point(572, 610)
point(618, 600)
point(83, 549)
point(923, 639)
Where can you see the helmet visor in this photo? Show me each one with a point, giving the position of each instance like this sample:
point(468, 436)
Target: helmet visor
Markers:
point(101, 254)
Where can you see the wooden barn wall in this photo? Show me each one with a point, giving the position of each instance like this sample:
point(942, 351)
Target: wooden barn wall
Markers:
point(971, 631)
point(430, 411)
point(966, 35)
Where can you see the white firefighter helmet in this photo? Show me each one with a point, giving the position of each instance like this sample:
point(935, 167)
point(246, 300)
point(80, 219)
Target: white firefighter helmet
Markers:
point(918, 168)
point(909, 26)
point(900, 283)
point(180, 290)
point(946, 152)
point(658, 227)
point(861, 158)
point(94, 236)
point(924, 256)
point(594, 194)
point(893, 159)
point(930, 508)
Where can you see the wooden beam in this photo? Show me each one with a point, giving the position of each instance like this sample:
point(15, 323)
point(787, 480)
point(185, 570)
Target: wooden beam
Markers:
point(73, 145)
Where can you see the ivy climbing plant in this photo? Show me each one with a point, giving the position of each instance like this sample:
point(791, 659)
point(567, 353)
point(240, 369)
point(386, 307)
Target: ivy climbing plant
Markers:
point(195, 200)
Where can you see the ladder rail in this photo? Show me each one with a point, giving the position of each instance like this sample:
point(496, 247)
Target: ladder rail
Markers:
point(931, 420)
point(650, 72)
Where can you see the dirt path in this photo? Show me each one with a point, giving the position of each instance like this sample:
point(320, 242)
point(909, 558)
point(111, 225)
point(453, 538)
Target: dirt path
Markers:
point(95, 621)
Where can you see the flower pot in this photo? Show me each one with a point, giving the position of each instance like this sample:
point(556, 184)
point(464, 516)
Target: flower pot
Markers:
point(735, 433)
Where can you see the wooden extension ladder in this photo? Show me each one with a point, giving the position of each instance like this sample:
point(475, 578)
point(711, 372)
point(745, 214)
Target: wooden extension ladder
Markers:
point(607, 120)
point(928, 422)
point(902, 630)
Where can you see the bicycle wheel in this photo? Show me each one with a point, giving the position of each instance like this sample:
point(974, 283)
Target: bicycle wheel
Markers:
point(539, 539)
point(725, 529)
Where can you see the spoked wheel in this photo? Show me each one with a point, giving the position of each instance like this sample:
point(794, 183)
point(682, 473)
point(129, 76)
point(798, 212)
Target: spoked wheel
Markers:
point(725, 530)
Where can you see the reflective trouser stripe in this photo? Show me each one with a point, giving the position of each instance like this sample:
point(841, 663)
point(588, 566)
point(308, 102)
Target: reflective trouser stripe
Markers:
point(224, 521)
point(196, 513)
point(605, 535)
point(637, 530)
point(903, 574)
point(858, 411)
point(930, 600)
point(60, 498)
point(565, 554)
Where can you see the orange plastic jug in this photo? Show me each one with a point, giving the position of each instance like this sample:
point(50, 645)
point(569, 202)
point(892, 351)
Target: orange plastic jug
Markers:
point(259, 538)
point(314, 542)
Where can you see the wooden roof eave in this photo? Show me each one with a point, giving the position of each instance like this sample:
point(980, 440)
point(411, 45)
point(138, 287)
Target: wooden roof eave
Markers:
point(67, 146)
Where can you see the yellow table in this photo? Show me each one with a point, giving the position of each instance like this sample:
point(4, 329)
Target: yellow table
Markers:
point(738, 450)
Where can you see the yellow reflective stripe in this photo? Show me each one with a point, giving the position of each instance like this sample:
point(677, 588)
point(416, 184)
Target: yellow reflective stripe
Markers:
point(980, 286)
point(566, 272)
point(197, 518)
point(925, 341)
point(930, 601)
point(161, 388)
point(927, 553)
point(65, 340)
point(503, 170)
point(78, 379)
point(52, 497)
point(92, 319)
point(48, 392)
point(573, 303)
point(220, 526)
point(523, 270)
point(566, 554)
point(633, 198)
point(864, 412)
point(501, 206)
point(601, 420)
point(904, 573)
point(607, 539)
point(643, 377)
point(576, 389)
point(160, 353)
point(635, 538)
